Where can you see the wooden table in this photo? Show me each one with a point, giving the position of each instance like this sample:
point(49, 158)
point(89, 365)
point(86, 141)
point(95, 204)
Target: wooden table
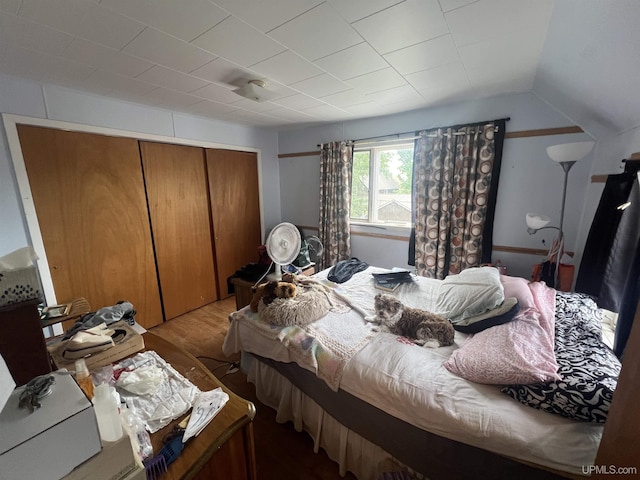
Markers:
point(225, 448)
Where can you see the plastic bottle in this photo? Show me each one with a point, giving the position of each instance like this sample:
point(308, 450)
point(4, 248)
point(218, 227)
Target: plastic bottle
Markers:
point(106, 408)
point(83, 378)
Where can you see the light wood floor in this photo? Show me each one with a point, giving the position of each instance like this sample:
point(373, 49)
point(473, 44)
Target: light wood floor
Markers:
point(281, 452)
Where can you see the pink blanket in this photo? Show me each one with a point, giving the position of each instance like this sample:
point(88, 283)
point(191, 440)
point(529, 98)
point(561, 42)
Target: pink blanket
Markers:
point(519, 352)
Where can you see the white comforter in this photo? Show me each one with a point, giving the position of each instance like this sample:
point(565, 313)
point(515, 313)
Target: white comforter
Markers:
point(410, 383)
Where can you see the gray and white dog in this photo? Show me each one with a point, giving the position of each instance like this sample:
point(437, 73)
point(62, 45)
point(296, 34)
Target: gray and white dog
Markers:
point(424, 328)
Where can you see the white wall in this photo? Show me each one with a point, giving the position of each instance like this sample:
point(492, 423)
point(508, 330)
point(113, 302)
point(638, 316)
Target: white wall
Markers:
point(529, 180)
point(31, 99)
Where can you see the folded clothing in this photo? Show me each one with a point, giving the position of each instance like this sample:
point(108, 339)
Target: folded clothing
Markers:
point(89, 341)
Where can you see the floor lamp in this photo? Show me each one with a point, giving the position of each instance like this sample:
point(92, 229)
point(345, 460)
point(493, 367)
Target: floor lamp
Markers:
point(566, 155)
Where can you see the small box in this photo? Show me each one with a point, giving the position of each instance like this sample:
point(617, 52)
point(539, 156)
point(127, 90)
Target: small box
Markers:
point(19, 285)
point(52, 440)
point(127, 342)
point(116, 461)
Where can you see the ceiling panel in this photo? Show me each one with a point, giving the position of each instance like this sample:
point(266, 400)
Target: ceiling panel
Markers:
point(307, 34)
point(403, 25)
point(170, 16)
point(267, 15)
point(84, 19)
point(105, 58)
point(238, 42)
point(332, 59)
point(353, 61)
point(423, 55)
point(161, 48)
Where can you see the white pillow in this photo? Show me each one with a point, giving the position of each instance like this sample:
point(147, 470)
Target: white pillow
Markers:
point(471, 292)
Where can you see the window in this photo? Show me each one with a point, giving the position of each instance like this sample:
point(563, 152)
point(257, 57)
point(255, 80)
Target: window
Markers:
point(381, 184)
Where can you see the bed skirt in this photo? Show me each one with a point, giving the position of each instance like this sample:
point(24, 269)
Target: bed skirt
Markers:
point(412, 450)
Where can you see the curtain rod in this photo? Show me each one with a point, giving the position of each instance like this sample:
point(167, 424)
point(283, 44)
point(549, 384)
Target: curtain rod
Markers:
point(398, 136)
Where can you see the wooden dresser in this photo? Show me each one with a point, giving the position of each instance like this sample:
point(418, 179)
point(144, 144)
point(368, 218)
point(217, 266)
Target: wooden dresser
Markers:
point(225, 448)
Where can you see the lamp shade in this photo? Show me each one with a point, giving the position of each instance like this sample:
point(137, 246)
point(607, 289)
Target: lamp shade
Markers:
point(536, 222)
point(569, 152)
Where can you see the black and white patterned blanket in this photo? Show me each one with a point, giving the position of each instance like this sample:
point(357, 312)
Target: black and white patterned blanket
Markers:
point(588, 368)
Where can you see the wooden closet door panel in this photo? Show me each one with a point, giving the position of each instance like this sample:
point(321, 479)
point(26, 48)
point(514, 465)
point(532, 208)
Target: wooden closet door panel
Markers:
point(235, 207)
point(178, 201)
point(89, 196)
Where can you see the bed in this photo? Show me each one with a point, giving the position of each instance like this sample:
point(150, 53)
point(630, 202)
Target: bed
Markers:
point(526, 394)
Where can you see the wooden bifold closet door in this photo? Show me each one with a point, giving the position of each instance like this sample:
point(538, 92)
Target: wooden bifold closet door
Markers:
point(90, 202)
point(178, 200)
point(235, 203)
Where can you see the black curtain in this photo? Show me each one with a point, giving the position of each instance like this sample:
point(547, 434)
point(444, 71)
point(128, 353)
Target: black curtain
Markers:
point(487, 233)
point(610, 267)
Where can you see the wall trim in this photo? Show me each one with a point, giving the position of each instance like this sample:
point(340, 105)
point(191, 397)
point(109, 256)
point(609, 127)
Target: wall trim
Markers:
point(542, 132)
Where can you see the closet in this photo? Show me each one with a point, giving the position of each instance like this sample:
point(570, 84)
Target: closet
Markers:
point(157, 224)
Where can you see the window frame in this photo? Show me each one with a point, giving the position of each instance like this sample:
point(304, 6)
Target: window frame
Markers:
point(375, 150)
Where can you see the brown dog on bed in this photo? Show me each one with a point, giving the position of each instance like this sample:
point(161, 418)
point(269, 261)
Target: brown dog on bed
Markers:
point(424, 328)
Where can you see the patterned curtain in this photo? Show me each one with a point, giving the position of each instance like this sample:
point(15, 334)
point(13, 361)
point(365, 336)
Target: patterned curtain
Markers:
point(336, 159)
point(456, 170)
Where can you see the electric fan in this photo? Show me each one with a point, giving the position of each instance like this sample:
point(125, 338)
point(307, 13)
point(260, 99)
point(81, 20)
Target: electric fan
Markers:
point(283, 246)
point(315, 249)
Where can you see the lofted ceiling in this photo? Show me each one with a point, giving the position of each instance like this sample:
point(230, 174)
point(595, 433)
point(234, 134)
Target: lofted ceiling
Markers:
point(323, 61)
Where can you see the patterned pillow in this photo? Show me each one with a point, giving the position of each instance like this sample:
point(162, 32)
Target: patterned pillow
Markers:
point(588, 368)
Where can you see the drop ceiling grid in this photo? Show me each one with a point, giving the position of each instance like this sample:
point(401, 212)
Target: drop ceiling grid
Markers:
point(329, 58)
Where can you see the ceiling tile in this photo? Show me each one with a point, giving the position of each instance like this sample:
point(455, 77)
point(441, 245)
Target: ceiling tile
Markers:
point(34, 36)
point(105, 58)
point(448, 5)
point(22, 62)
point(402, 25)
point(84, 19)
point(253, 106)
point(320, 86)
point(292, 115)
point(174, 18)
point(222, 71)
point(317, 33)
point(326, 112)
point(485, 81)
point(353, 10)
point(396, 94)
point(508, 52)
point(238, 42)
point(206, 107)
point(492, 18)
point(11, 6)
point(217, 93)
point(250, 118)
point(164, 97)
point(166, 50)
point(376, 81)
point(423, 56)
point(119, 83)
point(287, 68)
point(298, 101)
point(264, 15)
point(435, 77)
point(172, 79)
point(346, 98)
point(353, 61)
